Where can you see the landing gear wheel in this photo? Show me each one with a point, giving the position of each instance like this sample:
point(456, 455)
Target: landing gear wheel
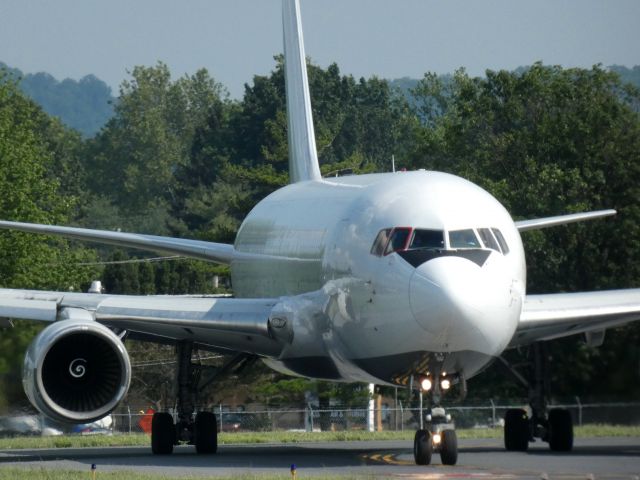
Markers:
point(206, 433)
point(449, 447)
point(560, 430)
point(422, 447)
point(516, 430)
point(163, 433)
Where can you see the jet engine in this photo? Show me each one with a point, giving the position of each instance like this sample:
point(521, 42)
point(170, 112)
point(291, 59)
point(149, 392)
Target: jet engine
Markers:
point(76, 371)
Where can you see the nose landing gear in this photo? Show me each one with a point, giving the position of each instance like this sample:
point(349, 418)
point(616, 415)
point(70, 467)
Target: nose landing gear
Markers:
point(439, 436)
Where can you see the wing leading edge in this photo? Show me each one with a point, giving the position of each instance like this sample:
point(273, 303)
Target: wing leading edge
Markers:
point(213, 252)
point(538, 223)
point(219, 322)
point(545, 317)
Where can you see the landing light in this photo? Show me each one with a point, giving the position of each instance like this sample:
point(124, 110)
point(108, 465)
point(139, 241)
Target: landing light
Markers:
point(425, 384)
point(436, 438)
point(445, 384)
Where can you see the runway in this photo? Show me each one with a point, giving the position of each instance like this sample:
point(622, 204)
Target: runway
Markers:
point(601, 458)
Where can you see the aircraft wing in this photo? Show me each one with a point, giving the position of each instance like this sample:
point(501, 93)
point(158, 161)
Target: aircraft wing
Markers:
point(213, 252)
point(538, 223)
point(225, 323)
point(545, 317)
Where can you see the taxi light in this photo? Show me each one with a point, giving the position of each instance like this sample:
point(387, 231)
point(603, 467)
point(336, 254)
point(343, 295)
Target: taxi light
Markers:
point(436, 438)
point(425, 384)
point(445, 384)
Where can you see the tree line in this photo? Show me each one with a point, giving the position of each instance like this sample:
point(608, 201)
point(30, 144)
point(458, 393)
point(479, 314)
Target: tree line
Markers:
point(179, 157)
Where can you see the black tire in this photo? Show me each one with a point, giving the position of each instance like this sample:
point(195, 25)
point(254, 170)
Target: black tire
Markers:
point(163, 433)
point(422, 447)
point(560, 430)
point(516, 430)
point(449, 447)
point(206, 433)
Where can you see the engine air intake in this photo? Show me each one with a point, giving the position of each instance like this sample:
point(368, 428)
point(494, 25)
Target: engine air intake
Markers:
point(76, 371)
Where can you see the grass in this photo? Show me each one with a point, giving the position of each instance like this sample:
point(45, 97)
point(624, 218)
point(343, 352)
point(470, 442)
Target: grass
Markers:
point(79, 441)
point(12, 473)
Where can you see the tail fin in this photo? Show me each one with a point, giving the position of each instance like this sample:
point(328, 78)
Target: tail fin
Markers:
point(303, 157)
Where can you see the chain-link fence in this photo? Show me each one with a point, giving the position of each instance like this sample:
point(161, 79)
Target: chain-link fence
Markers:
point(311, 418)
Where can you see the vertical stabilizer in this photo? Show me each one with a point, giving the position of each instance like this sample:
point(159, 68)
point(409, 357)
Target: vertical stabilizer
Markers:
point(303, 156)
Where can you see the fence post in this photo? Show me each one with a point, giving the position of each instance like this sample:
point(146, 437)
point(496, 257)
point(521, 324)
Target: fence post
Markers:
point(401, 417)
point(221, 417)
point(493, 413)
point(395, 408)
point(311, 416)
point(129, 415)
point(371, 409)
point(579, 410)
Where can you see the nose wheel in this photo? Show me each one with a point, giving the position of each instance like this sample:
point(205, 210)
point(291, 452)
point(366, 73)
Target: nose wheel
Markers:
point(439, 436)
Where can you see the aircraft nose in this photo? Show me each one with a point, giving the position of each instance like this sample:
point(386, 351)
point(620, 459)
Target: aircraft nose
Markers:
point(461, 305)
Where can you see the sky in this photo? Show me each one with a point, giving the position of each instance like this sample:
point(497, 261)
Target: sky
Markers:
point(237, 39)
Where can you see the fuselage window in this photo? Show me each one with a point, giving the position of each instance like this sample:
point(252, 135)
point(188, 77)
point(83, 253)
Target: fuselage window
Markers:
point(380, 242)
point(488, 239)
point(463, 239)
point(398, 241)
point(427, 239)
point(501, 240)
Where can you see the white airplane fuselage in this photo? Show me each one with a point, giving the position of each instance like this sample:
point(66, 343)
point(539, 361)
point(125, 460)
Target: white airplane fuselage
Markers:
point(362, 316)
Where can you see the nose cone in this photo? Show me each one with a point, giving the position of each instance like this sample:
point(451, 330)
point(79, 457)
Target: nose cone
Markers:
point(463, 306)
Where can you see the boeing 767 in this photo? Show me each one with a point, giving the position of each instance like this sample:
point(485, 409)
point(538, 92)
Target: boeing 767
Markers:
point(410, 278)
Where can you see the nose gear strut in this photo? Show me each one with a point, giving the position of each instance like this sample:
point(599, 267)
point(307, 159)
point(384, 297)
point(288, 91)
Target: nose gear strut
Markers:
point(437, 430)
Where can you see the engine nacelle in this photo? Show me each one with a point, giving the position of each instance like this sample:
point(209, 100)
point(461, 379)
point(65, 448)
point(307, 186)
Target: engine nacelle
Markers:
point(76, 371)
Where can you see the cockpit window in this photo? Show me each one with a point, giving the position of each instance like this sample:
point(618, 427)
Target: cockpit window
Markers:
point(398, 241)
point(380, 242)
point(501, 240)
point(463, 239)
point(488, 239)
point(427, 239)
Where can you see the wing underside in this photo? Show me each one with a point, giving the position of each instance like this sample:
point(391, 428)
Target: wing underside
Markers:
point(545, 317)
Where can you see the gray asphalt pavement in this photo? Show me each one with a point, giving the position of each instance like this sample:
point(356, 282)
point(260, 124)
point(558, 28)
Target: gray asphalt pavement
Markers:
point(602, 458)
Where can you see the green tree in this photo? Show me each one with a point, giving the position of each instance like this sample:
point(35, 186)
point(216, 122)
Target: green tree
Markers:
point(134, 158)
point(30, 145)
point(547, 141)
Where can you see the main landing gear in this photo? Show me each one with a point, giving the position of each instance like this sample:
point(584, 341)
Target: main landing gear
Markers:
point(200, 429)
point(437, 434)
point(554, 426)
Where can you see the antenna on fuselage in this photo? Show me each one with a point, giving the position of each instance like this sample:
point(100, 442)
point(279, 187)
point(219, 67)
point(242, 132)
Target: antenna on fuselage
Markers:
point(303, 155)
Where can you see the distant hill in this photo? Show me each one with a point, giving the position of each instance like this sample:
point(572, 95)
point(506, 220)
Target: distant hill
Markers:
point(84, 104)
point(629, 75)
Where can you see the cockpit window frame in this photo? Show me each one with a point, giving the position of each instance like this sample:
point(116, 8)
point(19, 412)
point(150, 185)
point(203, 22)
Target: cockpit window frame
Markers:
point(380, 243)
point(388, 250)
point(504, 246)
point(466, 247)
point(442, 233)
point(490, 242)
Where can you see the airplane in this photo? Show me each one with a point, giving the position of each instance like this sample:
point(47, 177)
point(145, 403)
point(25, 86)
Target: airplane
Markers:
point(415, 279)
